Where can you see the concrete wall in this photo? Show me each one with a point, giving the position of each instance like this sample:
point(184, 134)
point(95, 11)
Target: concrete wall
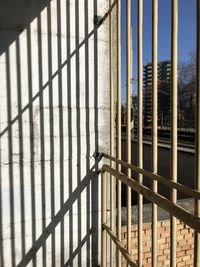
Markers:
point(54, 114)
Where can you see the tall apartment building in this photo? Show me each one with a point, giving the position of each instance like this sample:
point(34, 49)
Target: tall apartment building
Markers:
point(164, 69)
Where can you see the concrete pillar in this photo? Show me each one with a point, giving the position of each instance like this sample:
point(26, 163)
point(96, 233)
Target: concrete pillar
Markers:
point(54, 115)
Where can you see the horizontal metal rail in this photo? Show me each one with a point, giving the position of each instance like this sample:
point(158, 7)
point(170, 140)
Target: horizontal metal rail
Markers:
point(173, 209)
point(180, 187)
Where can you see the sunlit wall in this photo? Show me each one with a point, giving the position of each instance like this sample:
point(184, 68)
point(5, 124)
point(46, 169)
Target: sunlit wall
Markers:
point(54, 114)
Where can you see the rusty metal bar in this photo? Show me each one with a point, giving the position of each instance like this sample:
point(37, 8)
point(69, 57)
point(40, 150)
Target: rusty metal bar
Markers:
point(140, 129)
point(119, 245)
point(128, 115)
point(103, 219)
point(154, 124)
point(174, 85)
point(112, 219)
point(197, 137)
point(182, 188)
point(119, 125)
point(186, 217)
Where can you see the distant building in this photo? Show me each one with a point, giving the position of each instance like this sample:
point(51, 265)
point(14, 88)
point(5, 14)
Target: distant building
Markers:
point(164, 69)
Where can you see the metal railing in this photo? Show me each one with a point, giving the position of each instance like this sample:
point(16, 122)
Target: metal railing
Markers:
point(170, 205)
point(172, 208)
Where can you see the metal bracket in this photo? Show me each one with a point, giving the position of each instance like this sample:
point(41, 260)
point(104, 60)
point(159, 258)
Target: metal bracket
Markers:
point(97, 155)
point(96, 19)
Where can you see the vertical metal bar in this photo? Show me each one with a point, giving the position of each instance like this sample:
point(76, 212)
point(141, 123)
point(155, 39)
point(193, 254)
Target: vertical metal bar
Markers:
point(197, 136)
point(103, 219)
point(111, 131)
point(154, 123)
point(119, 125)
point(174, 84)
point(128, 115)
point(140, 129)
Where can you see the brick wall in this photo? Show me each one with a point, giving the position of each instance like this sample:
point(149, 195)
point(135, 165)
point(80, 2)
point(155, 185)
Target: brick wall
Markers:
point(185, 244)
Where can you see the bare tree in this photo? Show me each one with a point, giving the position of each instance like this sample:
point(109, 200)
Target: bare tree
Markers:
point(187, 82)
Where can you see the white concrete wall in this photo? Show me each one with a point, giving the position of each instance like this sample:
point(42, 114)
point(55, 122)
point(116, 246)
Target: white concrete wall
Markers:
point(54, 114)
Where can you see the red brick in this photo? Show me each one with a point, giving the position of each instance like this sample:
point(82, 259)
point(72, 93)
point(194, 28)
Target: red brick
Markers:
point(179, 264)
point(135, 257)
point(184, 231)
point(162, 258)
point(188, 236)
point(190, 252)
point(190, 241)
point(185, 258)
point(147, 243)
point(185, 244)
point(178, 259)
point(182, 242)
point(162, 229)
point(148, 232)
point(186, 226)
point(162, 241)
point(134, 234)
point(147, 255)
point(160, 252)
point(149, 260)
point(164, 234)
point(134, 251)
point(164, 246)
point(179, 237)
point(165, 223)
point(146, 248)
point(145, 261)
point(167, 251)
point(147, 226)
point(179, 226)
point(180, 253)
point(134, 227)
point(185, 247)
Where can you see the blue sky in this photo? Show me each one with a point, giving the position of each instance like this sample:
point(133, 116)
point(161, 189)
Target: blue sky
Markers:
point(187, 32)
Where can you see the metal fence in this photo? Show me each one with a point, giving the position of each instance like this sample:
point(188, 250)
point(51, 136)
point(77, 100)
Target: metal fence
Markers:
point(170, 205)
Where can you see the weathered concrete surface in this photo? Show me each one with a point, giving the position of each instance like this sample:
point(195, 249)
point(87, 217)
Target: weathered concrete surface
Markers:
point(54, 114)
point(187, 204)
